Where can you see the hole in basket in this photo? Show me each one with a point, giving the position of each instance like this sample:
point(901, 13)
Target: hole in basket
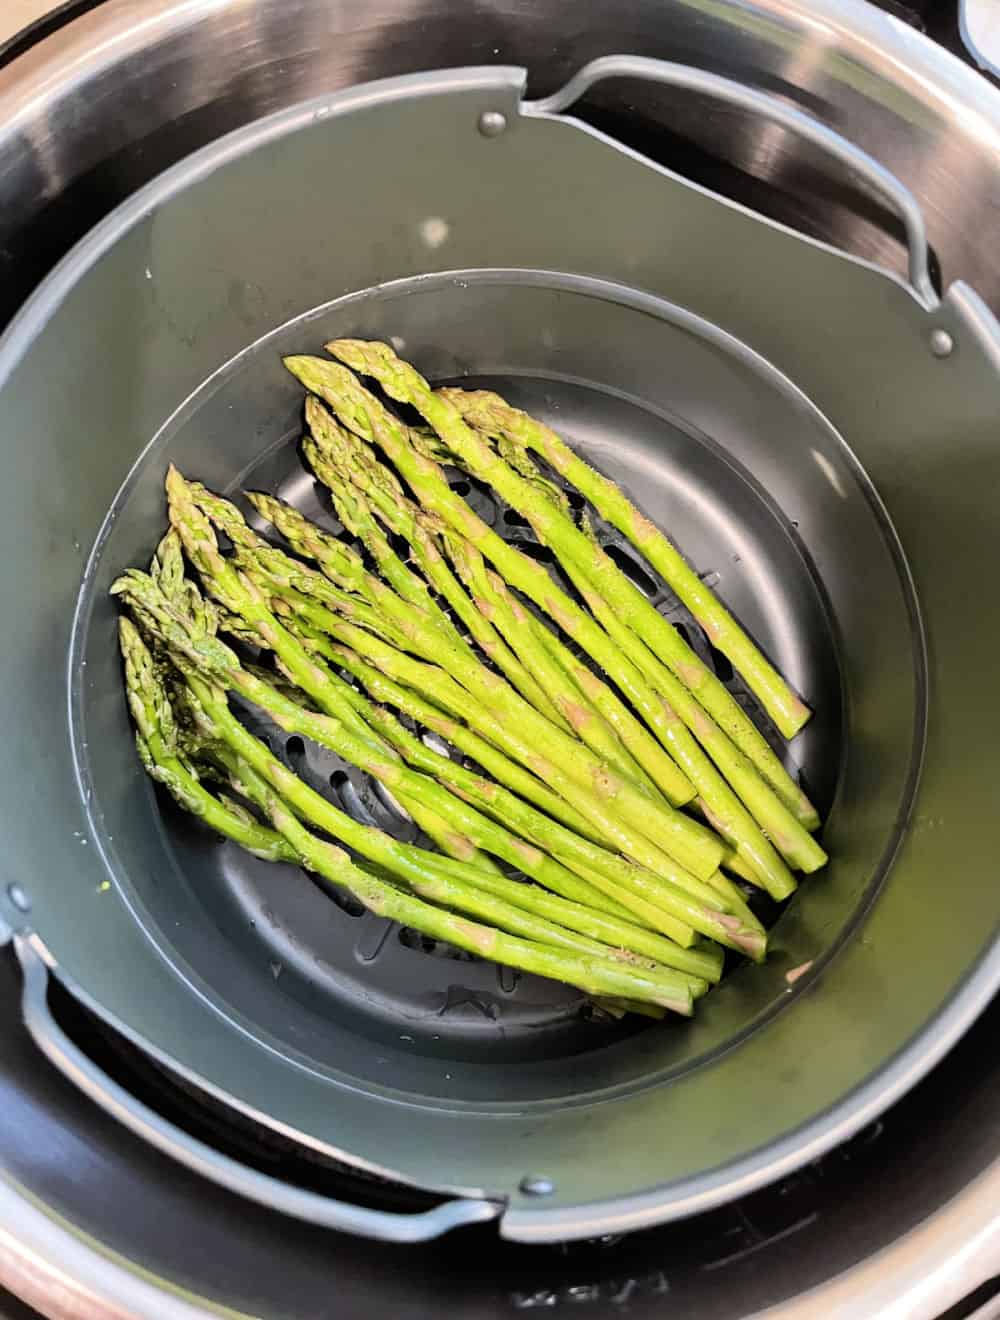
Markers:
point(513, 519)
point(631, 569)
point(338, 779)
point(412, 939)
point(541, 553)
point(400, 544)
point(295, 746)
point(460, 487)
point(720, 664)
point(575, 499)
point(348, 904)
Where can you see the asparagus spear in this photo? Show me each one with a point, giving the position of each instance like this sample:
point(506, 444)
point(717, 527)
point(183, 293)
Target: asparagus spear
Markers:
point(489, 413)
point(704, 962)
point(502, 768)
point(408, 520)
point(402, 382)
point(415, 867)
point(609, 923)
point(307, 540)
point(639, 817)
point(362, 413)
point(595, 975)
point(452, 842)
point(599, 875)
point(239, 592)
point(594, 883)
point(512, 620)
point(442, 688)
point(156, 739)
point(731, 813)
point(357, 518)
point(609, 873)
point(769, 809)
point(183, 638)
point(347, 567)
point(333, 452)
point(523, 909)
point(626, 942)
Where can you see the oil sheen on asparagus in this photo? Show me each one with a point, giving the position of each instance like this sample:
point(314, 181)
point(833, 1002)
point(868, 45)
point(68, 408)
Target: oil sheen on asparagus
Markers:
point(597, 807)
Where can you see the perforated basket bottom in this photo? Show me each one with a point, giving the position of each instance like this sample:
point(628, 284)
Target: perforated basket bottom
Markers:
point(394, 980)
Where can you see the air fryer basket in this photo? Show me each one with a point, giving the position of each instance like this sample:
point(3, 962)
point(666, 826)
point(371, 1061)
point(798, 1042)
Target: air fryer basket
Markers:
point(721, 369)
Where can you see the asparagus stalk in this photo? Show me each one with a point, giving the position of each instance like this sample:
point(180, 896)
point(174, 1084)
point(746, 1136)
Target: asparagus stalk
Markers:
point(347, 566)
point(421, 871)
point(599, 875)
point(512, 621)
point(640, 817)
point(182, 638)
point(626, 942)
point(403, 383)
point(235, 591)
point(452, 697)
point(308, 540)
point(361, 412)
point(592, 885)
point(673, 904)
point(443, 689)
point(452, 842)
point(409, 521)
point(609, 873)
point(704, 962)
point(334, 452)
point(353, 512)
point(720, 806)
point(495, 763)
point(156, 739)
point(594, 975)
point(735, 808)
point(489, 413)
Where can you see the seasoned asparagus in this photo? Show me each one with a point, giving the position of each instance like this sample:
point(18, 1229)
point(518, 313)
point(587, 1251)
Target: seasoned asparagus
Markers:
point(156, 739)
point(403, 383)
point(489, 413)
point(593, 974)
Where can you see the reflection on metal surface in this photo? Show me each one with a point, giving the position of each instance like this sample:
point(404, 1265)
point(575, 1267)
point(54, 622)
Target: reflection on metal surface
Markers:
point(980, 22)
point(100, 107)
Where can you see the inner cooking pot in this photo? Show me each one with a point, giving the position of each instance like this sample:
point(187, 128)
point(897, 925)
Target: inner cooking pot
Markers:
point(778, 409)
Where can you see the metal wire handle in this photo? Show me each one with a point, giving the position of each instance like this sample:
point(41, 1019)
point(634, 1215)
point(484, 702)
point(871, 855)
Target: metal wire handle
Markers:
point(146, 1123)
point(882, 181)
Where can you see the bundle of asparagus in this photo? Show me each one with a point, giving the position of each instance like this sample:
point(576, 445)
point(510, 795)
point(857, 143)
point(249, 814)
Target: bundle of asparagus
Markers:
point(626, 792)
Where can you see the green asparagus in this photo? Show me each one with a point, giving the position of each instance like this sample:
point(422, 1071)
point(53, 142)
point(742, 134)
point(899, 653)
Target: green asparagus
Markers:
point(403, 383)
point(595, 975)
point(489, 413)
